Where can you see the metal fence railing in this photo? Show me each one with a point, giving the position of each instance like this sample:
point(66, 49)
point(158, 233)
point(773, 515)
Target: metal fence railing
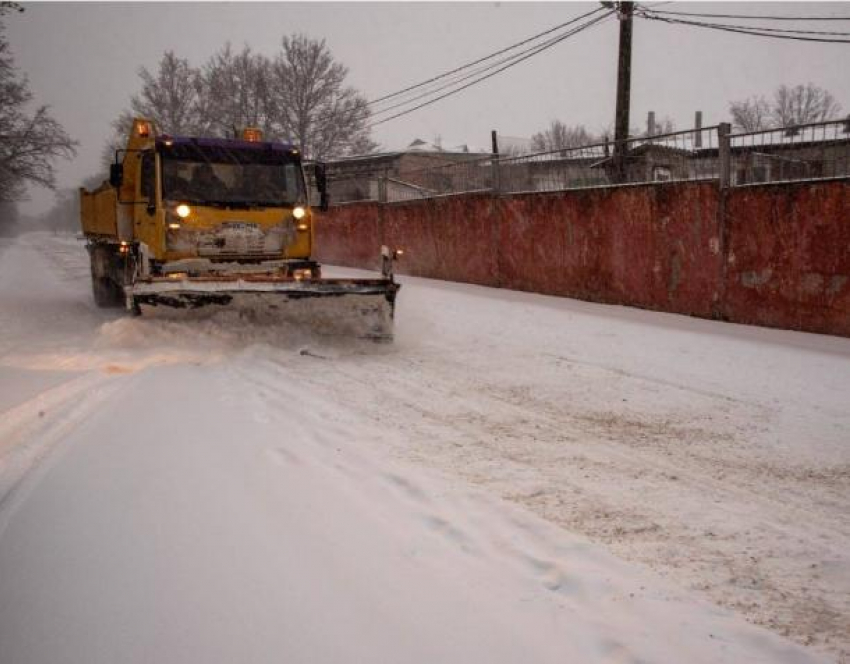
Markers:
point(684, 155)
point(819, 150)
point(813, 151)
point(461, 177)
point(403, 182)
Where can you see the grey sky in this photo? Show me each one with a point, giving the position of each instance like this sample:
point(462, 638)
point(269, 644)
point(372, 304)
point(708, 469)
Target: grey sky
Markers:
point(82, 59)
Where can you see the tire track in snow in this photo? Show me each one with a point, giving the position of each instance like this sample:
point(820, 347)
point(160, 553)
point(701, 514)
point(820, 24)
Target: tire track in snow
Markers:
point(590, 469)
point(484, 427)
point(31, 432)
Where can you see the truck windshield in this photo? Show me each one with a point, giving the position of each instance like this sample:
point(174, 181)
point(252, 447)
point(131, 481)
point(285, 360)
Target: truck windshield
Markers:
point(240, 180)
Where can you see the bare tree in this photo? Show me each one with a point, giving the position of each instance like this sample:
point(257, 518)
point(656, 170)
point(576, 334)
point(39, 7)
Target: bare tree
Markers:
point(8, 7)
point(559, 136)
point(751, 114)
point(310, 104)
point(803, 104)
point(234, 92)
point(791, 106)
point(299, 97)
point(29, 142)
point(171, 98)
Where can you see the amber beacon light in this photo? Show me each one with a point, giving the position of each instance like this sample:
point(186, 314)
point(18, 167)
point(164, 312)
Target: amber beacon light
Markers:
point(252, 134)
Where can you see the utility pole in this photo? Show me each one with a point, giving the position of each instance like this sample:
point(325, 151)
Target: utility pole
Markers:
point(497, 176)
point(624, 85)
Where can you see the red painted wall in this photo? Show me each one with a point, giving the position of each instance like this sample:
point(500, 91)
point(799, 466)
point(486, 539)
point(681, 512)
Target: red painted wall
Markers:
point(349, 235)
point(787, 247)
point(648, 246)
point(788, 256)
point(449, 238)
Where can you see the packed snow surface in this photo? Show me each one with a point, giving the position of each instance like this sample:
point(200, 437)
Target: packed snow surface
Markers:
point(517, 478)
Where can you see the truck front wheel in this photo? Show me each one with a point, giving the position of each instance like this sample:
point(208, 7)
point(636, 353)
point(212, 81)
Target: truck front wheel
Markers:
point(106, 290)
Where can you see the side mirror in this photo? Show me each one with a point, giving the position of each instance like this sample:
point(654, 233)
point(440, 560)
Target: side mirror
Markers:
point(387, 259)
point(116, 174)
point(324, 201)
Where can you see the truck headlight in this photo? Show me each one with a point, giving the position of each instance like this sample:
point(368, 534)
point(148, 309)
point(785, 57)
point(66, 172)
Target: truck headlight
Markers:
point(183, 210)
point(299, 212)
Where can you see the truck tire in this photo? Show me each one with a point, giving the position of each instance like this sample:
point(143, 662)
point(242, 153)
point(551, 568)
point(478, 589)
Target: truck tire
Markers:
point(106, 290)
point(106, 293)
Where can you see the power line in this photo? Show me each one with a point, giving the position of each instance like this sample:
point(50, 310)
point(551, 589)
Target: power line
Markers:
point(650, 14)
point(459, 79)
point(746, 30)
point(480, 70)
point(752, 16)
point(487, 57)
point(515, 61)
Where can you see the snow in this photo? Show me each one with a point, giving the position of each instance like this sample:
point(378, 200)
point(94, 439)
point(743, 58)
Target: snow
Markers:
point(517, 478)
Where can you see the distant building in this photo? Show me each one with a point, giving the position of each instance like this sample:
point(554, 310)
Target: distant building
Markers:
point(426, 170)
point(421, 170)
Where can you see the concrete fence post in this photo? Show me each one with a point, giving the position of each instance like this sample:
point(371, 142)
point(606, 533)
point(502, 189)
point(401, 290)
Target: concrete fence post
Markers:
point(497, 174)
point(382, 187)
point(724, 155)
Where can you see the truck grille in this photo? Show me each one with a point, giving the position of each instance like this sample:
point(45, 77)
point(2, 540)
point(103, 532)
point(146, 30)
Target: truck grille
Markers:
point(233, 238)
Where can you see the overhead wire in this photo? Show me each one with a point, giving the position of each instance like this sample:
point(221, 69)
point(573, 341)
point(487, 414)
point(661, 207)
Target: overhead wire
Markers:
point(758, 31)
point(480, 70)
point(785, 30)
point(752, 16)
point(454, 78)
point(642, 11)
point(509, 62)
point(513, 61)
point(487, 57)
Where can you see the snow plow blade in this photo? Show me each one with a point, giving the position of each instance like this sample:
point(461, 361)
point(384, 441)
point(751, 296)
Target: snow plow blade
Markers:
point(359, 307)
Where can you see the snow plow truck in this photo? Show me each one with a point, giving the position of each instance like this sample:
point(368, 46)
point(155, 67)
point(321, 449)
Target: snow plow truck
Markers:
point(208, 223)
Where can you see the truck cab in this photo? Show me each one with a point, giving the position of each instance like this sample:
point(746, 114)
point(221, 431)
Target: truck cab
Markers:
point(221, 199)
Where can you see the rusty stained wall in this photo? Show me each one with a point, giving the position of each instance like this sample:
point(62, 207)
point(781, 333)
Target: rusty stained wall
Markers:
point(788, 256)
point(349, 235)
point(787, 247)
point(452, 238)
point(647, 246)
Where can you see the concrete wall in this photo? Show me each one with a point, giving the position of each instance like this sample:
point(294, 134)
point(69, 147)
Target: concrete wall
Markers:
point(788, 256)
point(777, 256)
point(649, 246)
point(349, 235)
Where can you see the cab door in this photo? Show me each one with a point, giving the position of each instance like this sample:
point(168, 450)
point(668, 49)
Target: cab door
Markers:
point(149, 214)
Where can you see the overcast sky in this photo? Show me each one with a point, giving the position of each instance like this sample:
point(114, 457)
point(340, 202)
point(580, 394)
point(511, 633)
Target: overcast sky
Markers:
point(82, 59)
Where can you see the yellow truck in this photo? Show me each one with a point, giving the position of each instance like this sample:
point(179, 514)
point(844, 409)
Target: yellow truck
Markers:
point(191, 223)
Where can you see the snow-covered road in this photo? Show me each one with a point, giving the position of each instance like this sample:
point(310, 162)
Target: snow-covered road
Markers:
point(511, 481)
